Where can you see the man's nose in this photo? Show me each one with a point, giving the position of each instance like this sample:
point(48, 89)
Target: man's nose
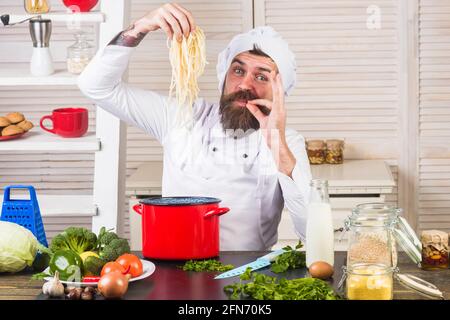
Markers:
point(246, 83)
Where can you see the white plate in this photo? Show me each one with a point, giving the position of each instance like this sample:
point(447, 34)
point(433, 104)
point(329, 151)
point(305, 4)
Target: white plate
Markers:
point(147, 266)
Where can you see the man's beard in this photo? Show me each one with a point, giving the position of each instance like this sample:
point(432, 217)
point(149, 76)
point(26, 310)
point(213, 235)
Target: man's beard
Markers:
point(235, 117)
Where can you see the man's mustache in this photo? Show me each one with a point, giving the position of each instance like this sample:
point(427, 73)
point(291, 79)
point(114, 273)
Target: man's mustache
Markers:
point(246, 95)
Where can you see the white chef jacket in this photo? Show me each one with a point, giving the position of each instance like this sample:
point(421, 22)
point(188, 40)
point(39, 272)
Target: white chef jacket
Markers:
point(206, 161)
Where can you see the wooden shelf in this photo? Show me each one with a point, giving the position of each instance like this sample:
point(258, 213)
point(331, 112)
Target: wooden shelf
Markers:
point(38, 140)
point(62, 205)
point(13, 76)
point(63, 16)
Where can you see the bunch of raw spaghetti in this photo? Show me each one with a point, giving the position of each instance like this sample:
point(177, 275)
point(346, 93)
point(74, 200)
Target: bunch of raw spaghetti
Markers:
point(188, 60)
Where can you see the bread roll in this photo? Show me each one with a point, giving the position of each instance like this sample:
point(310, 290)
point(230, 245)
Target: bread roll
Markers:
point(26, 125)
point(12, 130)
point(4, 122)
point(15, 117)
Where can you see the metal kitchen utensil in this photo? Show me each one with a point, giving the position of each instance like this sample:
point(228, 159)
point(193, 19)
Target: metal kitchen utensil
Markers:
point(41, 63)
point(259, 263)
point(6, 17)
point(24, 212)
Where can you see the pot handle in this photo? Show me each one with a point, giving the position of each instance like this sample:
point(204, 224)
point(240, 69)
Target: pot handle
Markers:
point(216, 212)
point(138, 208)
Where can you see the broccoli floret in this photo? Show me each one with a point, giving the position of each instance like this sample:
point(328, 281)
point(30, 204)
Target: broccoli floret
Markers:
point(76, 239)
point(105, 237)
point(114, 249)
point(93, 266)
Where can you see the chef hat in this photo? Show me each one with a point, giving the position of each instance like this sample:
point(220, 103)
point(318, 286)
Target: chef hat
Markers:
point(270, 42)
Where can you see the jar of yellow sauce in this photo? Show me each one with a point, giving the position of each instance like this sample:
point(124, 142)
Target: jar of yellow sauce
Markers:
point(369, 282)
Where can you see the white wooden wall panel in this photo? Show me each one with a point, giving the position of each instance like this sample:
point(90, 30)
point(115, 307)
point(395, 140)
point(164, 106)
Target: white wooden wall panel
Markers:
point(434, 106)
point(348, 81)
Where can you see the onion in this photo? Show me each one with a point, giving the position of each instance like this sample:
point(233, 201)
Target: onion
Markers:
point(113, 285)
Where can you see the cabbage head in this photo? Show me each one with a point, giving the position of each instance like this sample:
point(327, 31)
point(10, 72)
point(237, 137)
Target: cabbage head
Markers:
point(18, 247)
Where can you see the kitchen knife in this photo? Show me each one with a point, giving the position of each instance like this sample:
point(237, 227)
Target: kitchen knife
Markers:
point(259, 263)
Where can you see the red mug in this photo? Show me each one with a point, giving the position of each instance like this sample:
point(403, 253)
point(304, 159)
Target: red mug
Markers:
point(68, 122)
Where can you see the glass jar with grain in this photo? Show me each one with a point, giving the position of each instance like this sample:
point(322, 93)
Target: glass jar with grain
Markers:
point(335, 151)
point(375, 229)
point(316, 150)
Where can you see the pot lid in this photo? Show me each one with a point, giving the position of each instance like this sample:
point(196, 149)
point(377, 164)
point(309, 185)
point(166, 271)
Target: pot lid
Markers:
point(179, 201)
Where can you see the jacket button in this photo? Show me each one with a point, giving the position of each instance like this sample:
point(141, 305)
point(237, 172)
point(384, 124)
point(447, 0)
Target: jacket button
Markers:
point(214, 149)
point(245, 155)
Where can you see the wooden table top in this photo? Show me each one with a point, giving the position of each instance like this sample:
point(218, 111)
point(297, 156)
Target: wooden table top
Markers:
point(169, 282)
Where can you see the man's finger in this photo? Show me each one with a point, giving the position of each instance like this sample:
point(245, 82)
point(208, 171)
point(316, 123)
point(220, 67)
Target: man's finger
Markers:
point(188, 15)
point(280, 92)
point(174, 24)
point(262, 102)
point(275, 93)
point(256, 112)
point(163, 24)
point(182, 19)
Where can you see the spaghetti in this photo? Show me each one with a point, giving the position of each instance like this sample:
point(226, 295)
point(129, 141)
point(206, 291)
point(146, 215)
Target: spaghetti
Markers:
point(188, 60)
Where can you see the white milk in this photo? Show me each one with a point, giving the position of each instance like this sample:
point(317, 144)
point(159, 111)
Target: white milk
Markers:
point(319, 234)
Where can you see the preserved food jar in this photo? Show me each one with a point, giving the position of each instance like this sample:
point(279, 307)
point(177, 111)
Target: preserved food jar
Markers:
point(335, 151)
point(434, 249)
point(316, 150)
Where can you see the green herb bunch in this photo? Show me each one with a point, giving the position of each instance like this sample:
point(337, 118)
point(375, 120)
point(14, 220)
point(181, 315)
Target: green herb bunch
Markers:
point(291, 259)
point(262, 287)
point(206, 265)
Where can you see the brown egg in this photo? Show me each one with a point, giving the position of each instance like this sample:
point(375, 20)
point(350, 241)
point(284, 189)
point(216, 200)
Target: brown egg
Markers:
point(321, 270)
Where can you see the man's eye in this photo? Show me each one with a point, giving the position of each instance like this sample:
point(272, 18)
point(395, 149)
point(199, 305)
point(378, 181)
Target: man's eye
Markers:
point(238, 71)
point(260, 77)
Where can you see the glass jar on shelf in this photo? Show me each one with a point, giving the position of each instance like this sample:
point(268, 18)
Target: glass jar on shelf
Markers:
point(335, 151)
point(79, 54)
point(316, 150)
point(37, 6)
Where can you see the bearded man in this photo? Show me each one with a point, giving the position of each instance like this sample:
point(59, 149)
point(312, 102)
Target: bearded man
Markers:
point(238, 150)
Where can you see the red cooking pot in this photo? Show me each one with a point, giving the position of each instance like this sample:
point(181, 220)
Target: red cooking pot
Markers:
point(180, 228)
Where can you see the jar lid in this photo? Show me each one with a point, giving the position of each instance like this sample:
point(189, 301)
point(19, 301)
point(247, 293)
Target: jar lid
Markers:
point(408, 241)
point(376, 210)
point(335, 144)
point(373, 215)
point(315, 144)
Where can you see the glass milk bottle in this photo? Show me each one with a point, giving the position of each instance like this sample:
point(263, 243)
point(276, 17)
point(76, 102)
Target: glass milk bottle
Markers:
point(319, 226)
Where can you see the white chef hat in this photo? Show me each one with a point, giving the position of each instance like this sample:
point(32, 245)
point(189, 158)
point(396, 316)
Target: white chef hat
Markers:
point(270, 42)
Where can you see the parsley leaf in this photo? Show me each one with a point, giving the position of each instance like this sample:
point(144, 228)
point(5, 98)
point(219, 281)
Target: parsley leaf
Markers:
point(262, 287)
point(291, 259)
point(205, 265)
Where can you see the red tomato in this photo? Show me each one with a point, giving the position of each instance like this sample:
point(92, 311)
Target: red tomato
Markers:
point(112, 267)
point(131, 263)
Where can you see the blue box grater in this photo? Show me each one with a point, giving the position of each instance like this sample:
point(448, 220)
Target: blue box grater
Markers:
point(24, 212)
